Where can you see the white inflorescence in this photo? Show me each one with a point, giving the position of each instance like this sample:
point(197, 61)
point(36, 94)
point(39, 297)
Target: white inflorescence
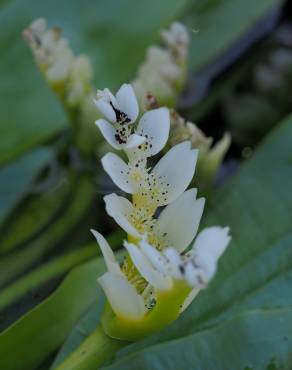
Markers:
point(163, 72)
point(156, 244)
point(68, 74)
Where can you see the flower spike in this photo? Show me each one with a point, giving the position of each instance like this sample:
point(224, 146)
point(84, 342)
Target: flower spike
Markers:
point(158, 279)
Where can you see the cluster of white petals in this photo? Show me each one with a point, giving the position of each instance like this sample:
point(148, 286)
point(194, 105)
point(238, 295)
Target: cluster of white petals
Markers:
point(177, 39)
point(157, 237)
point(69, 75)
point(163, 72)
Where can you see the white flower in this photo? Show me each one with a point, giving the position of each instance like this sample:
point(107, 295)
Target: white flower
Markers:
point(69, 75)
point(81, 72)
point(157, 279)
point(163, 73)
point(157, 75)
point(160, 271)
point(165, 230)
point(120, 293)
point(197, 267)
point(120, 111)
point(177, 39)
point(51, 51)
point(167, 180)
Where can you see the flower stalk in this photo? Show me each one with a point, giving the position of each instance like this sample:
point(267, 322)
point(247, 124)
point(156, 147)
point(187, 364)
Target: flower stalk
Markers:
point(96, 349)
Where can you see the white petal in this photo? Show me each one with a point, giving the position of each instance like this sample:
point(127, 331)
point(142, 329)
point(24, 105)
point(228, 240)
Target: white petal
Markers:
point(177, 169)
point(154, 277)
point(117, 169)
point(105, 109)
point(108, 131)
point(109, 257)
point(134, 141)
point(155, 124)
point(209, 245)
point(173, 256)
point(189, 299)
point(120, 209)
point(191, 274)
point(212, 241)
point(174, 262)
point(179, 221)
point(122, 296)
point(112, 98)
point(155, 257)
point(128, 102)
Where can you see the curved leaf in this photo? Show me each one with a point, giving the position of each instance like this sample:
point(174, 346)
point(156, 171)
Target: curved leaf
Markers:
point(17, 262)
point(41, 331)
point(41, 275)
point(252, 340)
point(32, 216)
point(17, 177)
point(52, 270)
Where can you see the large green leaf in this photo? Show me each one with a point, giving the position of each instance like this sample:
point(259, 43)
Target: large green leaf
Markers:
point(17, 177)
point(255, 340)
point(256, 271)
point(219, 24)
point(107, 30)
point(29, 111)
point(29, 218)
point(42, 330)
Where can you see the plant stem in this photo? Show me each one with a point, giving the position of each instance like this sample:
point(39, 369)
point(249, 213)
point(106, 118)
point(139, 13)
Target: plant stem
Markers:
point(93, 352)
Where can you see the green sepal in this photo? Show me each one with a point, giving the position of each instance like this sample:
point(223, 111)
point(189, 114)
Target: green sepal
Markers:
point(167, 309)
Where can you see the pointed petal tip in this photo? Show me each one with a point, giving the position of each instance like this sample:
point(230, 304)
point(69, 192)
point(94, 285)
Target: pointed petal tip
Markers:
point(95, 233)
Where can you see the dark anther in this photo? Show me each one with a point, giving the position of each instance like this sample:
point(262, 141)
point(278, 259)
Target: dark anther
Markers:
point(121, 117)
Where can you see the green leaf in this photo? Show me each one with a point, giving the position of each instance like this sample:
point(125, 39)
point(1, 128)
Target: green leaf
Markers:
point(32, 216)
point(220, 24)
point(30, 113)
point(250, 117)
point(51, 270)
point(253, 340)
point(17, 177)
point(41, 331)
point(256, 270)
point(92, 28)
point(20, 260)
